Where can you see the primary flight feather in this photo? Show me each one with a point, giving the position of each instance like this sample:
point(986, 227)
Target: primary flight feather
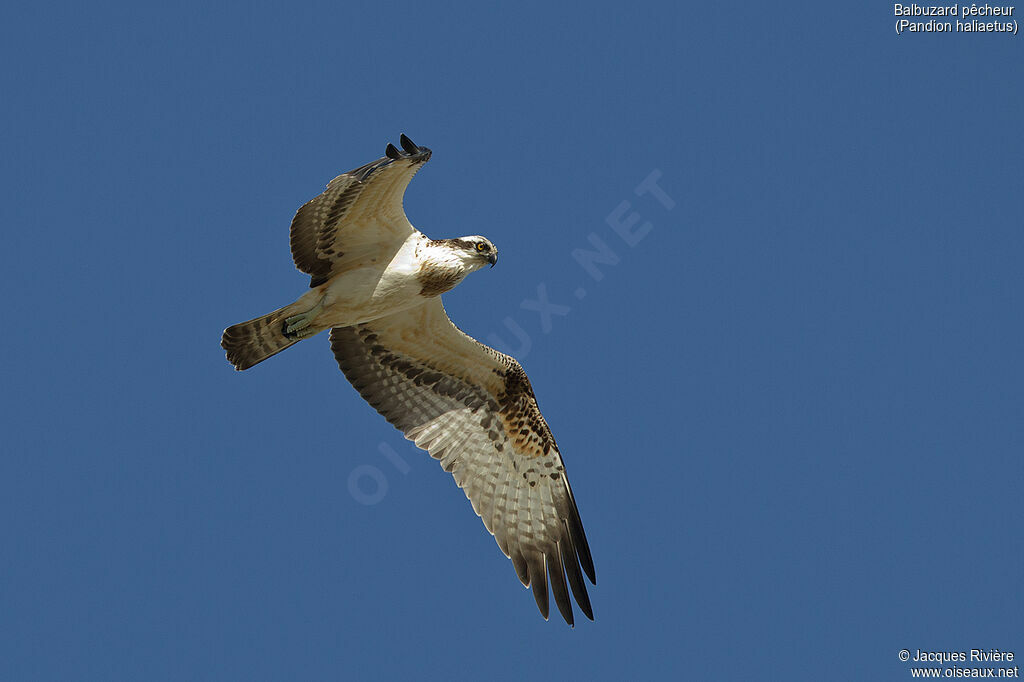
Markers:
point(376, 283)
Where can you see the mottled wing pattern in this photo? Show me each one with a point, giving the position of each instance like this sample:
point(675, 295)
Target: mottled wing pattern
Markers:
point(359, 212)
point(472, 408)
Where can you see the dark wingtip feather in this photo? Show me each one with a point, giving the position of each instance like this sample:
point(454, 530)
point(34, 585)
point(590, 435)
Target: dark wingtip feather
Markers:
point(539, 583)
point(558, 589)
point(408, 145)
point(572, 572)
point(579, 538)
point(519, 562)
point(392, 152)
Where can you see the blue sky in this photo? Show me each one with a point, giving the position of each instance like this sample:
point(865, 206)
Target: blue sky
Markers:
point(791, 410)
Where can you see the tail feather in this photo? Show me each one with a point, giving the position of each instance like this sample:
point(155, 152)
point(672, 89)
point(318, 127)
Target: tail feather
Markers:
point(250, 343)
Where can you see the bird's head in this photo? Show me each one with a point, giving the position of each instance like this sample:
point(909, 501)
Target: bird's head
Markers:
point(475, 251)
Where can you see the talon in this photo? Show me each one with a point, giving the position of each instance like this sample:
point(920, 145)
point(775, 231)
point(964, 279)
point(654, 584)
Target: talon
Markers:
point(295, 323)
point(300, 325)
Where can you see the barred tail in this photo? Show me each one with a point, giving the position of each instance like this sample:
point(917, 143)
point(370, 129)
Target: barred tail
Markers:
point(252, 342)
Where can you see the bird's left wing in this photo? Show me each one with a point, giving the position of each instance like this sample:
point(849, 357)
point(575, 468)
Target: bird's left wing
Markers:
point(473, 409)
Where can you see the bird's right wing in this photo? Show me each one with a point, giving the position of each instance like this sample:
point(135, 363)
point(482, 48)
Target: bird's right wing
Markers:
point(359, 214)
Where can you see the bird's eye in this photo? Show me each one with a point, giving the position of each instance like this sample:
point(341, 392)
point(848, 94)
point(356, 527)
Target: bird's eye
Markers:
point(481, 247)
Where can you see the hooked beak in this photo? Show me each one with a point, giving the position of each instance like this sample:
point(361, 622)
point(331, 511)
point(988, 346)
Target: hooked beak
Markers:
point(492, 258)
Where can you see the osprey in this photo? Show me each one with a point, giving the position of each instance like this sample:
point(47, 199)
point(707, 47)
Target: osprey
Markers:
point(376, 284)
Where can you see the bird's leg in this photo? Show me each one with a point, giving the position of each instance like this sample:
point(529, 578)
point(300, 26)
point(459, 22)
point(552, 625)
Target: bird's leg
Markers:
point(300, 326)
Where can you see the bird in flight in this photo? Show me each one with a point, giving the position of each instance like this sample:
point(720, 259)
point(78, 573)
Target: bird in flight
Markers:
point(376, 283)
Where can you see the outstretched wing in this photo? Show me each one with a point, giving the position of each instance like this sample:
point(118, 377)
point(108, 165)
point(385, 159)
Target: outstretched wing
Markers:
point(472, 408)
point(358, 214)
